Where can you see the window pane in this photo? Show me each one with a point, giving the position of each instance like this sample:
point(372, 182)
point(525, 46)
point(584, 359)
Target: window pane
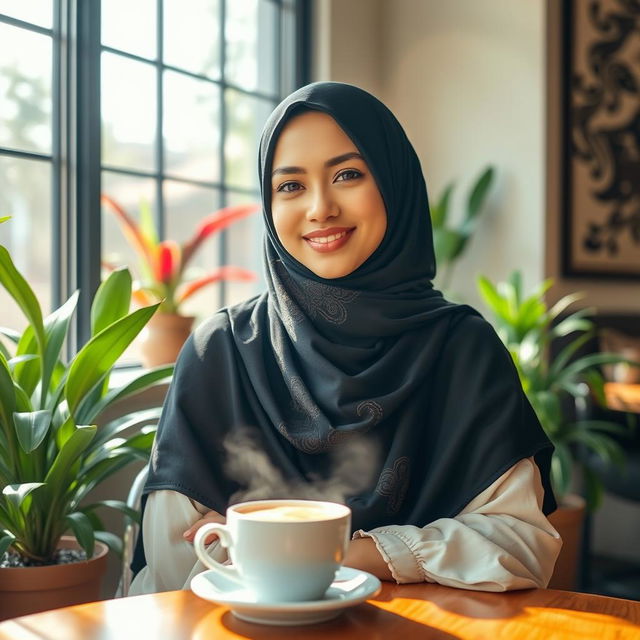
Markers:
point(130, 26)
point(128, 113)
point(251, 51)
point(191, 127)
point(38, 12)
point(131, 193)
point(186, 206)
point(25, 194)
point(201, 26)
point(25, 89)
point(245, 118)
point(244, 249)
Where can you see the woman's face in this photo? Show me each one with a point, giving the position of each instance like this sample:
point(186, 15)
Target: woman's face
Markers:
point(326, 207)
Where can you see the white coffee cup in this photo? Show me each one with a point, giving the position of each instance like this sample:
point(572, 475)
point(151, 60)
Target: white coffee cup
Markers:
point(281, 550)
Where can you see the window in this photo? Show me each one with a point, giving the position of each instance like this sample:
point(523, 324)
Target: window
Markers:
point(155, 106)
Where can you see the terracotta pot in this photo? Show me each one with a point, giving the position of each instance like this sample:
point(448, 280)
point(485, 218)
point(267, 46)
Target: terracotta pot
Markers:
point(31, 589)
point(163, 337)
point(568, 521)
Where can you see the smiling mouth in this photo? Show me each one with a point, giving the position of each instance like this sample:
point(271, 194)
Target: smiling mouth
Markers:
point(329, 242)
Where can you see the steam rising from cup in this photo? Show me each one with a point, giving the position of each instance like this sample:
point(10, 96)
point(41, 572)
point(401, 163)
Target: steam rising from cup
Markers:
point(353, 465)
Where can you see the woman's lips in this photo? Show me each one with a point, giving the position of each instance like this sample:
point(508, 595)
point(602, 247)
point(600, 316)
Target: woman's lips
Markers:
point(332, 241)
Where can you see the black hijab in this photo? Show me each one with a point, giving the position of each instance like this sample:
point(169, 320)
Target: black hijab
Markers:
point(305, 370)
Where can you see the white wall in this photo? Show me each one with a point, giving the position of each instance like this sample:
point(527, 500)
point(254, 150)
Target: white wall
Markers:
point(466, 79)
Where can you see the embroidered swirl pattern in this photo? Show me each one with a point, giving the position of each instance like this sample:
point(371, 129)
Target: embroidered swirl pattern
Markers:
point(315, 298)
point(394, 483)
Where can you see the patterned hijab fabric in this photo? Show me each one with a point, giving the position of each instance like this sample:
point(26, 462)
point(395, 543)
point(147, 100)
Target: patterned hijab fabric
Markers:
point(314, 368)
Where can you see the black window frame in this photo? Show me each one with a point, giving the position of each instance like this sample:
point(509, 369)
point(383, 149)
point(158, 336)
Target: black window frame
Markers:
point(76, 143)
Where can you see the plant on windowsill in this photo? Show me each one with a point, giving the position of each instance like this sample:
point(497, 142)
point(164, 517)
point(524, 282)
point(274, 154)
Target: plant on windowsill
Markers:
point(553, 382)
point(52, 454)
point(163, 274)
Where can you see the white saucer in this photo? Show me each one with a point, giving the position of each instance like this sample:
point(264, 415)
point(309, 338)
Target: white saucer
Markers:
point(350, 587)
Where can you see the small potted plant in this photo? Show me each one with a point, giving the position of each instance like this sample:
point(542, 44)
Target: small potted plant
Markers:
point(553, 382)
point(163, 275)
point(451, 240)
point(52, 454)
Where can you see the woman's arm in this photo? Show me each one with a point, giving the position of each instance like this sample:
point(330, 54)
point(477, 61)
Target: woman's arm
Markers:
point(171, 560)
point(500, 541)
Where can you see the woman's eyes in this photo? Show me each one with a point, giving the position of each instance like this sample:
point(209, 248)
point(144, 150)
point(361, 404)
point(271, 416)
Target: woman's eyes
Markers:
point(343, 176)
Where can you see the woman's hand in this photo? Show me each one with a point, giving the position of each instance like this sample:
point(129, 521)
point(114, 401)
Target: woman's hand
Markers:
point(210, 516)
point(364, 555)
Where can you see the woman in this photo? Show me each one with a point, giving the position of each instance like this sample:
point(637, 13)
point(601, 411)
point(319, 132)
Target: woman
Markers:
point(351, 345)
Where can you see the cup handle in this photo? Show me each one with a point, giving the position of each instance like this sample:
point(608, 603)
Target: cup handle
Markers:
point(225, 540)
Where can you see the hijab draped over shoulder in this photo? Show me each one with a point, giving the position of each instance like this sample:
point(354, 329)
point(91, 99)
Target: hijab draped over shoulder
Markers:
point(371, 382)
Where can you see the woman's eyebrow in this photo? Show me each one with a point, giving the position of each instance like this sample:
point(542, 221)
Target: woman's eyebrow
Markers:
point(332, 162)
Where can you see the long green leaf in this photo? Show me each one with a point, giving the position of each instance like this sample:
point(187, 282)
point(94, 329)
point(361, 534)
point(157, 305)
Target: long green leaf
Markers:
point(140, 383)
point(587, 362)
point(97, 357)
point(16, 494)
point(27, 373)
point(118, 505)
point(7, 397)
point(19, 289)
point(448, 244)
point(56, 327)
point(492, 298)
point(31, 427)
point(561, 465)
point(10, 334)
point(90, 478)
point(561, 360)
point(6, 541)
point(83, 531)
point(440, 211)
point(479, 193)
point(68, 454)
point(564, 302)
point(111, 540)
point(111, 301)
point(123, 423)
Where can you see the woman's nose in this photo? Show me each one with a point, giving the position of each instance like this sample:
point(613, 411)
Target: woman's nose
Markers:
point(322, 208)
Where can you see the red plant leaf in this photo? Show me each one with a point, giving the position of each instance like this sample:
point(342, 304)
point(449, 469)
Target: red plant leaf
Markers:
point(168, 261)
point(236, 274)
point(214, 222)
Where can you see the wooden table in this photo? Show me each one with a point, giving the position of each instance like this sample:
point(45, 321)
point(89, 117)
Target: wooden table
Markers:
point(402, 612)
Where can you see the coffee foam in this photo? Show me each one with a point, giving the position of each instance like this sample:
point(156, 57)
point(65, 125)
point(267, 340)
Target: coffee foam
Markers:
point(289, 513)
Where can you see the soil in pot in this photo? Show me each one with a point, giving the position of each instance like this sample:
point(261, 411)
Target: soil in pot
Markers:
point(25, 590)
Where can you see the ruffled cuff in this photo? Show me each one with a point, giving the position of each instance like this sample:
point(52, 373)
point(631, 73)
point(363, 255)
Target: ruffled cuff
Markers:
point(397, 553)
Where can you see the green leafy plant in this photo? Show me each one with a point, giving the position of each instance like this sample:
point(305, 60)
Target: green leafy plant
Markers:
point(162, 265)
point(528, 327)
point(449, 240)
point(52, 454)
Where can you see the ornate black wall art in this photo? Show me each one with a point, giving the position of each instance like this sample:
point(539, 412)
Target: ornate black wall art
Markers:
point(601, 164)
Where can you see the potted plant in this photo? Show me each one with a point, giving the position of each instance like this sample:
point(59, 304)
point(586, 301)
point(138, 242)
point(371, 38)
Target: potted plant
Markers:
point(163, 274)
point(51, 452)
point(553, 382)
point(450, 240)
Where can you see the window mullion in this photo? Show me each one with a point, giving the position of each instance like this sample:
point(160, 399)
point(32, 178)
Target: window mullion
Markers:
point(83, 205)
point(161, 221)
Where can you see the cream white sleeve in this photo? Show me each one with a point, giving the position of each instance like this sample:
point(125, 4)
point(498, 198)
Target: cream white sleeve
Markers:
point(171, 560)
point(500, 541)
